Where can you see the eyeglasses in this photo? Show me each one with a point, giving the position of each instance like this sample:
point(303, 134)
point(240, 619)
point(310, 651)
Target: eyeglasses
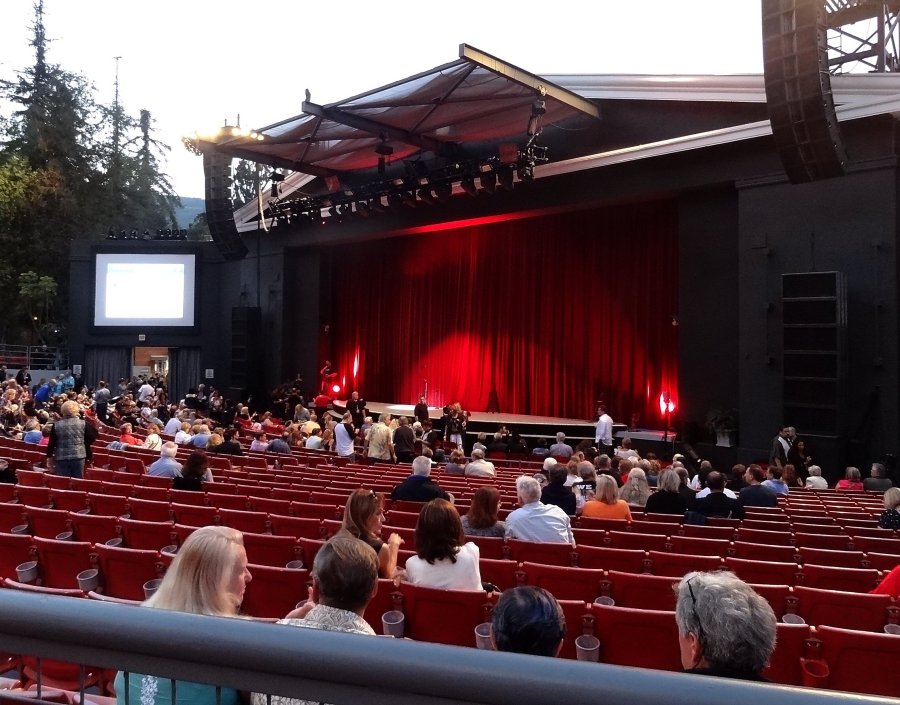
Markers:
point(701, 637)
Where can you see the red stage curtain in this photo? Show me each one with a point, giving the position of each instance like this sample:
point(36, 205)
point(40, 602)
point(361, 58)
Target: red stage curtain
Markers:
point(552, 313)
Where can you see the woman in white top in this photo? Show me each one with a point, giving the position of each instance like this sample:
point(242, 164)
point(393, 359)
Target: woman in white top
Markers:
point(153, 440)
point(443, 558)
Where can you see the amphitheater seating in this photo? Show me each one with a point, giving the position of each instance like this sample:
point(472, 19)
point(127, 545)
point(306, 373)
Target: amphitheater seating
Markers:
point(123, 571)
point(636, 637)
point(274, 591)
point(640, 591)
point(855, 661)
point(266, 549)
point(847, 610)
point(836, 578)
point(93, 528)
point(148, 535)
point(563, 582)
point(624, 560)
point(443, 616)
point(560, 554)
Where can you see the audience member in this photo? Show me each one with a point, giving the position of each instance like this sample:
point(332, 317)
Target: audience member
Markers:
point(363, 517)
point(666, 499)
point(606, 503)
point(889, 585)
point(890, 517)
point(456, 464)
point(378, 444)
point(418, 487)
point(482, 517)
point(404, 441)
point(635, 491)
point(534, 521)
point(479, 467)
point(195, 472)
point(815, 481)
point(561, 449)
point(443, 557)
point(756, 493)
point(528, 620)
point(70, 441)
point(716, 503)
point(773, 480)
point(558, 493)
point(879, 481)
point(790, 478)
point(208, 576)
point(280, 444)
point(724, 627)
point(625, 451)
point(737, 482)
point(166, 466)
point(852, 480)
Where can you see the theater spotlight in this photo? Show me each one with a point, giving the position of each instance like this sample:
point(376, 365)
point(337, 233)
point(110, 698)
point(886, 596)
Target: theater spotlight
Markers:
point(336, 388)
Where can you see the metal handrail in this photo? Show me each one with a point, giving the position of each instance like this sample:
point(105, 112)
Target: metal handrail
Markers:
point(346, 668)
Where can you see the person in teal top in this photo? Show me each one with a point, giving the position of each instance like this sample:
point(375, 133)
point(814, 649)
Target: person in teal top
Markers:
point(208, 576)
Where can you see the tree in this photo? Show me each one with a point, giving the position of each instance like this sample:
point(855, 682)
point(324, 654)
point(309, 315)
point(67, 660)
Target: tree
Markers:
point(37, 294)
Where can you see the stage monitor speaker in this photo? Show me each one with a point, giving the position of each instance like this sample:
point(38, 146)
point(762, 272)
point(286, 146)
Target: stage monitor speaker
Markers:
point(246, 337)
point(814, 327)
point(798, 90)
point(219, 213)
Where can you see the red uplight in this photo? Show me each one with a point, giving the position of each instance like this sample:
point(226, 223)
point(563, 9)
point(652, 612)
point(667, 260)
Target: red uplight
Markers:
point(666, 404)
point(335, 388)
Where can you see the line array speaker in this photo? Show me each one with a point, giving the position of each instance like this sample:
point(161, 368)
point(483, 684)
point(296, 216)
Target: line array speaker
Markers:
point(246, 337)
point(219, 213)
point(798, 90)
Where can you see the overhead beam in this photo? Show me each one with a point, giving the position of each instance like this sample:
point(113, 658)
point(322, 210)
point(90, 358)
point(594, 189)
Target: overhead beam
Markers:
point(859, 11)
point(272, 160)
point(375, 128)
point(529, 80)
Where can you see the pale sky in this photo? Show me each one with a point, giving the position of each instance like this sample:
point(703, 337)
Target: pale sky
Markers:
point(195, 63)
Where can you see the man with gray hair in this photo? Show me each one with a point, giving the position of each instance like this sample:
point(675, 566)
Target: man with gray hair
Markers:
point(479, 467)
point(724, 627)
point(535, 521)
point(561, 449)
point(815, 481)
point(879, 481)
point(418, 487)
point(379, 445)
point(166, 466)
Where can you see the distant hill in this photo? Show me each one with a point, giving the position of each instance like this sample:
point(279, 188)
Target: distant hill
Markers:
point(190, 209)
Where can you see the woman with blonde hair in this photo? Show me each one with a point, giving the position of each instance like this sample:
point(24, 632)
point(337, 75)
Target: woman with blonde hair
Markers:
point(890, 517)
point(606, 504)
point(208, 576)
point(635, 491)
point(70, 441)
point(363, 517)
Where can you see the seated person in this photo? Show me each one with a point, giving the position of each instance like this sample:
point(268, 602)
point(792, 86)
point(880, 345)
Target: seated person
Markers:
point(479, 467)
point(890, 517)
point(559, 493)
point(259, 444)
point(815, 481)
point(606, 503)
point(666, 499)
point(852, 480)
point(528, 620)
point(736, 641)
point(166, 466)
point(482, 518)
point(774, 480)
point(889, 585)
point(878, 482)
point(456, 464)
point(535, 521)
point(443, 557)
point(626, 451)
point(418, 487)
point(561, 449)
point(716, 503)
point(756, 493)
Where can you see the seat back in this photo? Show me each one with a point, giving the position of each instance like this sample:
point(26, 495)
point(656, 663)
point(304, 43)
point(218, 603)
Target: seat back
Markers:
point(640, 591)
point(765, 572)
point(33, 496)
point(763, 552)
point(824, 556)
point(11, 514)
point(643, 542)
point(123, 571)
point(564, 582)
point(490, 546)
point(194, 515)
point(850, 654)
point(784, 665)
point(625, 560)
point(221, 500)
point(61, 561)
point(245, 521)
point(561, 554)
point(107, 504)
point(297, 527)
point(443, 616)
point(637, 637)
point(502, 573)
point(837, 578)
point(69, 500)
point(269, 550)
point(699, 546)
point(678, 564)
point(47, 522)
point(94, 528)
point(14, 549)
point(847, 610)
point(273, 592)
point(147, 535)
point(832, 542)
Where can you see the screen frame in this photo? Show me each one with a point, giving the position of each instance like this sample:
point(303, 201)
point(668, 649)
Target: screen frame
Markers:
point(151, 247)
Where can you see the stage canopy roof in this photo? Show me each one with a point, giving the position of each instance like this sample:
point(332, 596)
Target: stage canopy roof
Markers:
point(462, 110)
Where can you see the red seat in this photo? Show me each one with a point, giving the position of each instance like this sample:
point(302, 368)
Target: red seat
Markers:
point(698, 546)
point(291, 494)
point(765, 572)
point(381, 603)
point(123, 571)
point(269, 505)
point(188, 497)
point(563, 582)
point(266, 549)
point(848, 610)
point(33, 496)
point(120, 489)
point(561, 554)
point(771, 538)
point(107, 504)
point(763, 552)
point(253, 522)
point(11, 514)
point(490, 546)
point(100, 474)
point(678, 564)
point(823, 556)
point(831, 542)
point(150, 510)
point(837, 578)
point(784, 665)
point(625, 560)
point(93, 528)
point(654, 527)
point(56, 482)
point(857, 661)
point(589, 537)
point(194, 515)
point(707, 531)
point(47, 522)
point(156, 494)
point(86, 485)
point(637, 637)
point(398, 518)
point(309, 548)
point(830, 529)
point(59, 562)
point(883, 561)
point(273, 592)
point(875, 533)
point(14, 549)
point(775, 595)
point(296, 527)
point(867, 544)
point(644, 542)
point(443, 616)
point(69, 500)
point(227, 501)
point(30, 478)
point(500, 572)
point(317, 511)
point(605, 524)
point(164, 483)
point(149, 535)
point(640, 591)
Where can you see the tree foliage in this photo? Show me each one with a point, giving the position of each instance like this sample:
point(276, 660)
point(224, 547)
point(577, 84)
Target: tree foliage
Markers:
point(70, 169)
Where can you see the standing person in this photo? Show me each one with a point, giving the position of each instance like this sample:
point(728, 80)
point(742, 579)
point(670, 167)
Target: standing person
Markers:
point(379, 445)
point(455, 426)
point(101, 401)
point(357, 409)
point(603, 438)
point(344, 433)
point(70, 441)
point(208, 576)
point(404, 441)
point(421, 410)
point(780, 448)
point(327, 373)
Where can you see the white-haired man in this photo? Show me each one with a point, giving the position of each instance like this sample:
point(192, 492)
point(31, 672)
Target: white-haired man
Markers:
point(535, 521)
point(418, 487)
point(166, 466)
point(815, 481)
point(479, 467)
point(561, 449)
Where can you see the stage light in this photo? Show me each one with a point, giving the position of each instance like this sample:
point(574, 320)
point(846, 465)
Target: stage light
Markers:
point(468, 185)
point(336, 388)
point(525, 172)
point(666, 405)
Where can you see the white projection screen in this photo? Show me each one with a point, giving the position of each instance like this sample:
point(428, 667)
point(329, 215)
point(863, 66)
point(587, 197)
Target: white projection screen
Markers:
point(144, 290)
